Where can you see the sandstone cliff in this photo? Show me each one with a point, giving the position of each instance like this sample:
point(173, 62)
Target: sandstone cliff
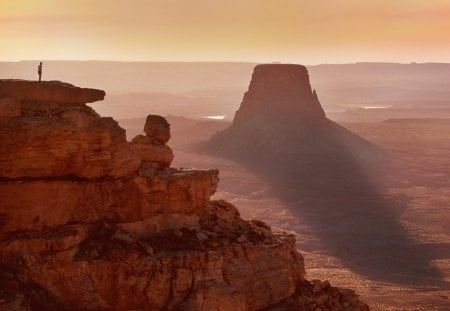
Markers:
point(89, 221)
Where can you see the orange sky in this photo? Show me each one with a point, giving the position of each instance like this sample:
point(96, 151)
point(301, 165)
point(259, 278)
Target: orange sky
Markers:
point(301, 31)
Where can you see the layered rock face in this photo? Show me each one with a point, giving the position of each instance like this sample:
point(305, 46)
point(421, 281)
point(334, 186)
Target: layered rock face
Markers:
point(152, 148)
point(49, 91)
point(279, 94)
point(89, 221)
point(48, 132)
point(281, 125)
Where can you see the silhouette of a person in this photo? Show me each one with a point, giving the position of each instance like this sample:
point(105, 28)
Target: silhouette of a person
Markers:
point(40, 71)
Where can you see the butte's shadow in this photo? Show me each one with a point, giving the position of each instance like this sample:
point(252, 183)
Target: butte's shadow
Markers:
point(331, 185)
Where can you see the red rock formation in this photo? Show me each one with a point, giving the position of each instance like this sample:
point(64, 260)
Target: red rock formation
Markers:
point(152, 148)
point(157, 128)
point(90, 221)
point(55, 135)
point(49, 91)
point(280, 117)
point(47, 148)
point(317, 295)
point(279, 93)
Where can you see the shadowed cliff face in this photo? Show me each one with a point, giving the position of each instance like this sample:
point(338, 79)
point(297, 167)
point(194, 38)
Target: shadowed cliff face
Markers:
point(326, 174)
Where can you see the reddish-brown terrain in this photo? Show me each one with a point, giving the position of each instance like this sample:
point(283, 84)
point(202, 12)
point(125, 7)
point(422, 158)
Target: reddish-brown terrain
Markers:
point(403, 264)
point(281, 130)
point(91, 221)
point(415, 184)
point(378, 221)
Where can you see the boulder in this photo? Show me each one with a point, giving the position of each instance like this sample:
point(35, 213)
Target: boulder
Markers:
point(158, 155)
point(157, 128)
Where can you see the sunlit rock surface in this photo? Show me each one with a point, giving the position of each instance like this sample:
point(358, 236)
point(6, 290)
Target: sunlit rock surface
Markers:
point(152, 148)
point(48, 91)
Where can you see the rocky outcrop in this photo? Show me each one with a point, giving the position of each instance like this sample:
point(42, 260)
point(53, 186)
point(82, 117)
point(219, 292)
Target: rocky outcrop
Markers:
point(129, 199)
point(279, 94)
point(157, 128)
point(49, 91)
point(47, 148)
point(318, 295)
point(152, 148)
point(48, 132)
point(90, 221)
point(280, 117)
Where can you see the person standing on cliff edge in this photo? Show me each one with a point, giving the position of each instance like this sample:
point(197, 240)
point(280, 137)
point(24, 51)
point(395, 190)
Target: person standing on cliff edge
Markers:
point(40, 71)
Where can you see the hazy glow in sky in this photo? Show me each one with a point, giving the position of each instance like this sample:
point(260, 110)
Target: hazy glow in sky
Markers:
point(304, 31)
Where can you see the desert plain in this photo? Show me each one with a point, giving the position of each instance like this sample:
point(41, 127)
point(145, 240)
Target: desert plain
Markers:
point(390, 243)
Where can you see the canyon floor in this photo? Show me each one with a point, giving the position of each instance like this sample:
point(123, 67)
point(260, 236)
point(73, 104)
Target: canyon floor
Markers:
point(390, 243)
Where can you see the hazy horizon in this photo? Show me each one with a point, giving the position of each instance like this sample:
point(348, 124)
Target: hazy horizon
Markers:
point(201, 89)
point(152, 162)
point(223, 61)
point(305, 32)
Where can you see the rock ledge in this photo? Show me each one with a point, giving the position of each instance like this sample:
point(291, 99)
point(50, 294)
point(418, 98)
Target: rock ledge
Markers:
point(48, 91)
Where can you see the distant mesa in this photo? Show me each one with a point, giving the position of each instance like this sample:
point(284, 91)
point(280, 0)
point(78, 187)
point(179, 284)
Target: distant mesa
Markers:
point(278, 94)
point(281, 121)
